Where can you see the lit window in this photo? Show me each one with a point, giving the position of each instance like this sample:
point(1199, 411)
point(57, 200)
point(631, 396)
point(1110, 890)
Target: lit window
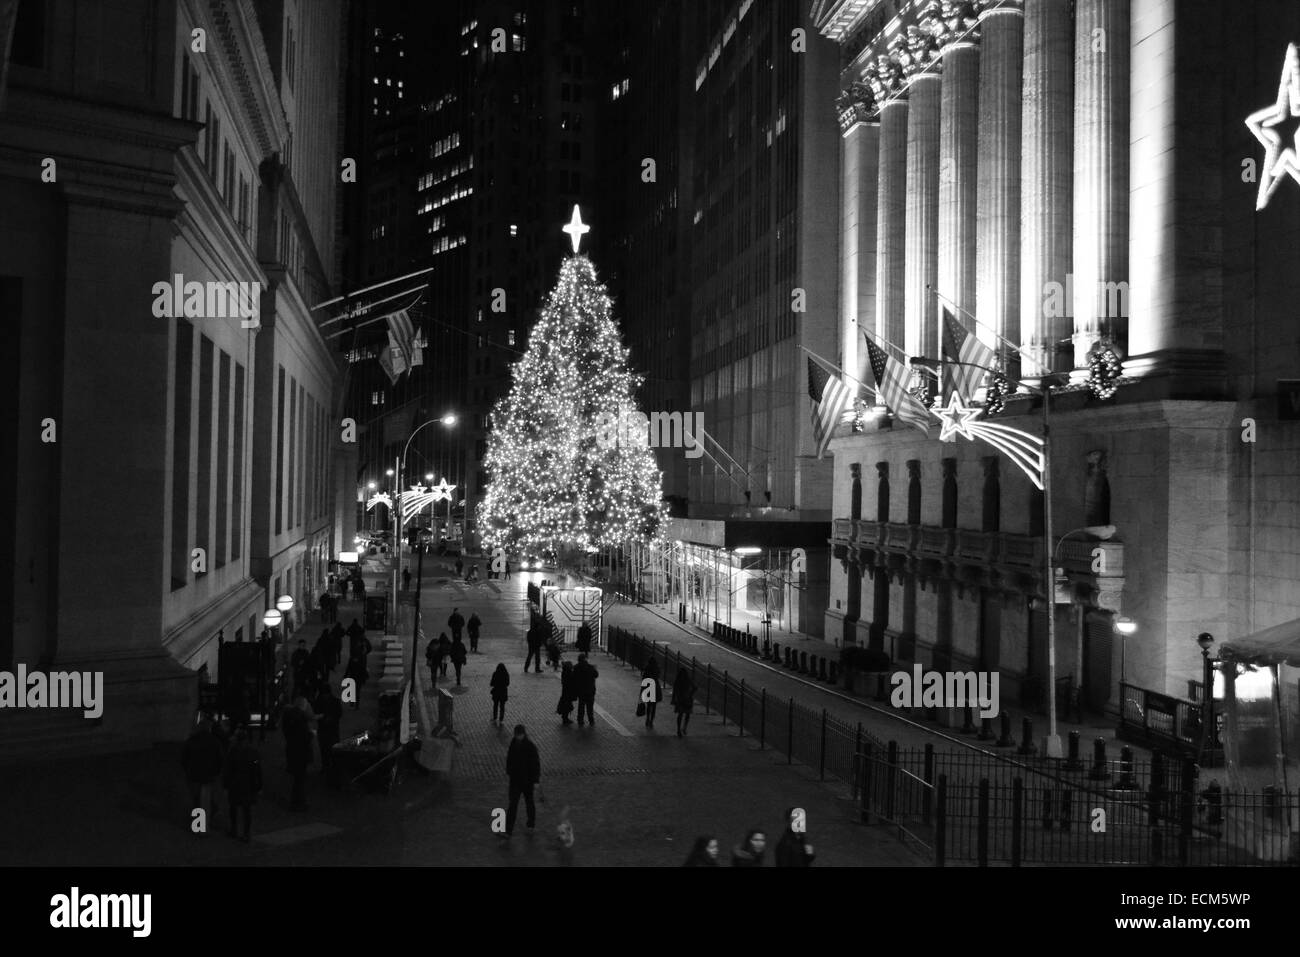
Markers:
point(510, 335)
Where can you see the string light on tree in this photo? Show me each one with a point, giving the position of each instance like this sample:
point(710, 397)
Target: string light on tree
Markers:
point(552, 486)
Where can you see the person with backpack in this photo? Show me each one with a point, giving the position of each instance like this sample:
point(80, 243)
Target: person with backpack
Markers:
point(500, 685)
point(473, 626)
point(456, 622)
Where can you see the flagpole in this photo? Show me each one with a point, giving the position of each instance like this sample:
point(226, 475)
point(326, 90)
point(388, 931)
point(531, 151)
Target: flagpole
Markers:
point(887, 344)
point(827, 364)
point(984, 325)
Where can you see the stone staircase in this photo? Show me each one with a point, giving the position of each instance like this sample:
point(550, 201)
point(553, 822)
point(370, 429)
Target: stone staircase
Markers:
point(43, 735)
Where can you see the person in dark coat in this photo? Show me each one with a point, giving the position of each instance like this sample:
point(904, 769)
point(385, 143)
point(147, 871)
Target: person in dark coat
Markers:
point(568, 694)
point(242, 778)
point(336, 642)
point(750, 854)
point(458, 655)
point(456, 622)
point(298, 662)
point(444, 653)
point(704, 853)
point(583, 640)
point(356, 670)
point(329, 715)
point(793, 850)
point(536, 638)
point(355, 632)
point(460, 567)
point(360, 645)
point(553, 651)
point(584, 683)
point(652, 691)
point(406, 579)
point(296, 723)
point(324, 603)
point(683, 699)
point(500, 684)
point(433, 657)
point(201, 759)
point(473, 627)
point(524, 769)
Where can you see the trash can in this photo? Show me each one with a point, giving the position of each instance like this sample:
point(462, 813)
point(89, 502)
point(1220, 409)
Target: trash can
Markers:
point(376, 613)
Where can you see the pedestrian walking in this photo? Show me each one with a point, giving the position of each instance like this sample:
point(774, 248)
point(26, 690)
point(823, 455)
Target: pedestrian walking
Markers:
point(458, 656)
point(473, 626)
point(242, 777)
point(460, 566)
point(296, 723)
point(444, 653)
point(507, 569)
point(704, 853)
point(298, 662)
point(336, 640)
point(750, 853)
point(584, 683)
point(583, 642)
point(329, 715)
point(683, 699)
point(359, 644)
point(652, 692)
point(524, 769)
point(793, 850)
point(568, 693)
point(406, 579)
point(500, 685)
point(456, 622)
point(202, 760)
point(553, 651)
point(535, 639)
point(356, 670)
point(432, 656)
point(324, 603)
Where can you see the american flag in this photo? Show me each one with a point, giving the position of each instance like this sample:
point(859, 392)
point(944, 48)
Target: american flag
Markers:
point(891, 381)
point(830, 398)
point(960, 346)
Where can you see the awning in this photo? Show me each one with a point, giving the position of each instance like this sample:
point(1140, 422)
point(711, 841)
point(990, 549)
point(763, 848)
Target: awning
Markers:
point(1277, 645)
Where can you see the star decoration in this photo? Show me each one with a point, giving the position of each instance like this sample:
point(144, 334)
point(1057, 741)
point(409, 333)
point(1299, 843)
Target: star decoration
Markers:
point(576, 228)
point(1278, 159)
point(442, 491)
point(955, 420)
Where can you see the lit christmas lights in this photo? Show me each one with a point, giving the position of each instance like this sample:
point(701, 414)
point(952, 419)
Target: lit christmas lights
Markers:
point(552, 486)
point(1104, 369)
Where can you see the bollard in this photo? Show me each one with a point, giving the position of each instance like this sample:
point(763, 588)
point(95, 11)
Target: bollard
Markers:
point(776, 652)
point(767, 649)
point(1005, 740)
point(1065, 810)
point(1213, 795)
point(1027, 737)
point(832, 673)
point(986, 730)
point(968, 720)
point(1072, 762)
point(1099, 772)
point(803, 662)
point(821, 669)
point(785, 657)
point(1047, 809)
point(1127, 780)
point(812, 665)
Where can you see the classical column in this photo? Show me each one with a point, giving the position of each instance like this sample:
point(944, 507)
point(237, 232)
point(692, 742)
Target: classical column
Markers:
point(1045, 188)
point(997, 247)
point(891, 202)
point(1101, 173)
point(860, 170)
point(924, 93)
point(958, 142)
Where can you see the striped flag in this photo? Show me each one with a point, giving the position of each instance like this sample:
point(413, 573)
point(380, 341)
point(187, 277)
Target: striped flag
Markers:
point(396, 354)
point(891, 381)
point(830, 398)
point(960, 346)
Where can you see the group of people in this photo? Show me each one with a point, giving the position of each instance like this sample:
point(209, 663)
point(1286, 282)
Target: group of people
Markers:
point(453, 651)
point(792, 850)
point(211, 754)
point(312, 670)
point(651, 693)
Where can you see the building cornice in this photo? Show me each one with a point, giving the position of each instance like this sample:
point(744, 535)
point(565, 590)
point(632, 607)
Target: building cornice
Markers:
point(247, 81)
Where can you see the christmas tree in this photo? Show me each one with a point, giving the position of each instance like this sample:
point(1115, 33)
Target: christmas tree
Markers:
point(557, 482)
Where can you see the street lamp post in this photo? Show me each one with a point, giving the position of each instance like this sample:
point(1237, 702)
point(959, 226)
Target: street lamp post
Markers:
point(1125, 627)
point(1205, 640)
point(399, 483)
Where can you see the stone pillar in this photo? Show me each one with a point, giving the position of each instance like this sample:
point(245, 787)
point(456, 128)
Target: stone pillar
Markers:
point(860, 174)
point(958, 141)
point(1046, 190)
point(997, 247)
point(920, 307)
point(891, 222)
point(1101, 173)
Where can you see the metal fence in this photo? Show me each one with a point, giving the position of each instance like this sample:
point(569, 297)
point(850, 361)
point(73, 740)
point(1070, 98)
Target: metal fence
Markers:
point(979, 807)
